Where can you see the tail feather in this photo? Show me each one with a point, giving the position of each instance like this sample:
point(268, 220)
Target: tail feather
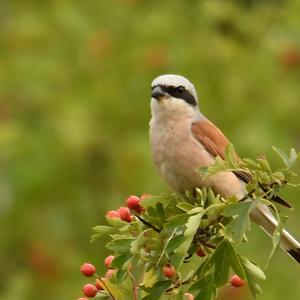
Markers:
point(262, 216)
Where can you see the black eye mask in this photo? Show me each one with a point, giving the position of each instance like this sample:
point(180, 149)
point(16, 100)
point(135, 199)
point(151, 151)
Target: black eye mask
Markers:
point(179, 92)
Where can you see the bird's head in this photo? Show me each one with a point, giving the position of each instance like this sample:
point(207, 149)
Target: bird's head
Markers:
point(173, 95)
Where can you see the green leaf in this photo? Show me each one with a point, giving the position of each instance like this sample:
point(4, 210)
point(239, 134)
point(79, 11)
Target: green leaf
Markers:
point(151, 201)
point(277, 232)
point(102, 229)
point(253, 274)
point(174, 243)
point(230, 156)
point(253, 269)
point(205, 286)
point(94, 237)
point(235, 261)
point(221, 260)
point(185, 206)
point(120, 245)
point(157, 290)
point(160, 212)
point(119, 261)
point(116, 222)
point(113, 289)
point(241, 221)
point(176, 221)
point(288, 161)
point(191, 228)
point(138, 242)
point(180, 295)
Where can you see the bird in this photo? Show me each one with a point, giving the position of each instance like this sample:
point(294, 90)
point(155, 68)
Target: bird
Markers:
point(182, 140)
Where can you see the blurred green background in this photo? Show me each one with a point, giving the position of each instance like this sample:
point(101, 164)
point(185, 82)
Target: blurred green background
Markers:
point(74, 110)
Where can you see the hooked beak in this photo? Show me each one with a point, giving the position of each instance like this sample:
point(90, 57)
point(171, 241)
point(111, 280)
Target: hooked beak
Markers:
point(158, 93)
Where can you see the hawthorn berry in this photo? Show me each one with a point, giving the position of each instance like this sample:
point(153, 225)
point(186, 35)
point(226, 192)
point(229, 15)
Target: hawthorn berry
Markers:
point(200, 252)
point(88, 269)
point(124, 214)
point(89, 290)
point(98, 285)
point(189, 296)
point(169, 271)
point(108, 260)
point(109, 273)
point(113, 214)
point(133, 202)
point(236, 281)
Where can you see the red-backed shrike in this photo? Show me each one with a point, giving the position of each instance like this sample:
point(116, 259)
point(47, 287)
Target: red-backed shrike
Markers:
point(183, 140)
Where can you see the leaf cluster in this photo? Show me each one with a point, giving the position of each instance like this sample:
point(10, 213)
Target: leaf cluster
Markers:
point(172, 229)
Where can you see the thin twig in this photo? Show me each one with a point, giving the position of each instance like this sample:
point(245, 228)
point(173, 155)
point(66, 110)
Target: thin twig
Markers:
point(148, 224)
point(134, 285)
point(110, 294)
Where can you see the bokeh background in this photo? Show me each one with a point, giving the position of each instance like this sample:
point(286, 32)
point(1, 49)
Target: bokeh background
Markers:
point(74, 110)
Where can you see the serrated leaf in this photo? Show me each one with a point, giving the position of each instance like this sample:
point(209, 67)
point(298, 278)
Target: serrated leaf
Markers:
point(119, 261)
point(253, 274)
point(185, 206)
point(174, 243)
point(191, 229)
point(288, 161)
point(151, 201)
point(221, 262)
point(235, 262)
point(113, 289)
point(241, 222)
point(94, 237)
point(157, 290)
point(120, 245)
point(160, 212)
point(230, 156)
point(276, 237)
point(102, 229)
point(138, 242)
point(253, 269)
point(176, 221)
point(205, 288)
point(116, 222)
point(179, 295)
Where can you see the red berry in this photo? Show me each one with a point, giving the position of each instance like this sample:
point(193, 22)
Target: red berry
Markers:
point(98, 285)
point(88, 269)
point(108, 260)
point(236, 281)
point(89, 290)
point(125, 214)
point(200, 252)
point(169, 270)
point(133, 202)
point(113, 214)
point(189, 296)
point(82, 299)
point(109, 274)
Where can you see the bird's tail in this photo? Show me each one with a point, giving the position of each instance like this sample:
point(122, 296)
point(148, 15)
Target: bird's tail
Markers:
point(262, 216)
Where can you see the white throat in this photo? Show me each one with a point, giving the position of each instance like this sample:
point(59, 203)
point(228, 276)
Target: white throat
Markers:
point(171, 109)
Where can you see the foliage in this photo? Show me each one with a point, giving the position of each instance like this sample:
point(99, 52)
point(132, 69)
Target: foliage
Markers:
point(171, 229)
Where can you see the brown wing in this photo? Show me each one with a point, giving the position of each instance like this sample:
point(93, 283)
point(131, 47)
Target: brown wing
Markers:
point(211, 137)
point(215, 142)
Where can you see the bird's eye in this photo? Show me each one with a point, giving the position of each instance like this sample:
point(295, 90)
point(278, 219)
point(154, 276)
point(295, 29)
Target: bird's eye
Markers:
point(180, 89)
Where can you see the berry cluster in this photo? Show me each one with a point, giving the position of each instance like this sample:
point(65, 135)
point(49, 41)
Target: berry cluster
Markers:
point(90, 290)
point(123, 213)
point(128, 213)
